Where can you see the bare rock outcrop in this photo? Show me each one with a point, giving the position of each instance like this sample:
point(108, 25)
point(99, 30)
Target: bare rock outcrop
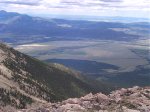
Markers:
point(134, 99)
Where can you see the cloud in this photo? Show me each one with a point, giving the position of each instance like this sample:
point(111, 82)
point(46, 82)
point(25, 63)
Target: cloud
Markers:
point(79, 7)
point(111, 0)
point(70, 3)
point(20, 2)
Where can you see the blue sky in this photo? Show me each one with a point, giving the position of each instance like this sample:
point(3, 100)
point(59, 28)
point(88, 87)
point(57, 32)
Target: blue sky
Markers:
point(125, 8)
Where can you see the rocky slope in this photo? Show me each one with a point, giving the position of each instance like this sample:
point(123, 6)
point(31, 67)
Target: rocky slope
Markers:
point(134, 99)
point(25, 80)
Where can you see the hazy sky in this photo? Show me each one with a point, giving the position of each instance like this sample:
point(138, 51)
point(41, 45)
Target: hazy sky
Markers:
point(129, 8)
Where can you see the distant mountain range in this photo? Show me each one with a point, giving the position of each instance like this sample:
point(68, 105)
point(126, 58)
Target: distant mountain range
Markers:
point(98, 18)
point(24, 80)
point(16, 27)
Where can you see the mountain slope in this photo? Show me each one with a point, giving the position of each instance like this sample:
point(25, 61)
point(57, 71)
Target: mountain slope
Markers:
point(134, 99)
point(24, 80)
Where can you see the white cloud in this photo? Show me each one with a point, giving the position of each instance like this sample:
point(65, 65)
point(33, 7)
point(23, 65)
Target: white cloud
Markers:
point(79, 7)
point(19, 2)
